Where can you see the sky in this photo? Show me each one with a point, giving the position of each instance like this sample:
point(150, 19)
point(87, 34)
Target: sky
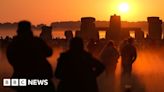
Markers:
point(47, 11)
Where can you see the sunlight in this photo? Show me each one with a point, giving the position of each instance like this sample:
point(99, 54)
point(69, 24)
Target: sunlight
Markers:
point(124, 7)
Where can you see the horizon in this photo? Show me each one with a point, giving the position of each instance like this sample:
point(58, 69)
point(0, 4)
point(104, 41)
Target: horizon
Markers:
point(77, 21)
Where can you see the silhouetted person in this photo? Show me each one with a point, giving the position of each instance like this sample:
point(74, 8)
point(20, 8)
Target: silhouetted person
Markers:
point(123, 44)
point(68, 34)
point(128, 54)
point(27, 55)
point(46, 34)
point(109, 57)
point(77, 69)
point(94, 47)
point(91, 46)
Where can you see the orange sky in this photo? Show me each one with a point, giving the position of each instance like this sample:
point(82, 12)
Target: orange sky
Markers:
point(47, 11)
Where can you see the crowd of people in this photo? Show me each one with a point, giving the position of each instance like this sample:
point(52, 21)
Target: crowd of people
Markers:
point(77, 69)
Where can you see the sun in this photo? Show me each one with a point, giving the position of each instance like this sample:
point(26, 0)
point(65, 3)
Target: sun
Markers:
point(124, 7)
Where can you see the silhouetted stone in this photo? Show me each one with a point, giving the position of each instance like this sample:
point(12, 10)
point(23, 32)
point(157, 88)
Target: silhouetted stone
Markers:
point(125, 34)
point(155, 28)
point(115, 28)
point(88, 29)
point(139, 35)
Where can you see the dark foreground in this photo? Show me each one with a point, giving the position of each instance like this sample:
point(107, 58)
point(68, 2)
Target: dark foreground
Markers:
point(148, 73)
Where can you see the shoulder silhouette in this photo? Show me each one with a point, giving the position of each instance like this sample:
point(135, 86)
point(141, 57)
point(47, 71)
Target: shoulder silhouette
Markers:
point(109, 57)
point(27, 55)
point(77, 69)
point(129, 55)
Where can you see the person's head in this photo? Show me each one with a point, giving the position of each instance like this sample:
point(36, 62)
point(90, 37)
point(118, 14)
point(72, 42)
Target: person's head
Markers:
point(76, 44)
point(110, 43)
point(130, 40)
point(24, 29)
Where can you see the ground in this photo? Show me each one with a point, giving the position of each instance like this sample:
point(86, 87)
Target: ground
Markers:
point(148, 72)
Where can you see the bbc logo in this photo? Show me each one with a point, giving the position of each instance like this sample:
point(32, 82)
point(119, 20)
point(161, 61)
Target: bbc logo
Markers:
point(14, 82)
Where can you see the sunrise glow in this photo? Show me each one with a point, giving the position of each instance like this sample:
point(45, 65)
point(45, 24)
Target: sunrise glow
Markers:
point(124, 7)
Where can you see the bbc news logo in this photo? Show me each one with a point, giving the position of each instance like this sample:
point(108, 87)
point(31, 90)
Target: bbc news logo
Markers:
point(25, 82)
